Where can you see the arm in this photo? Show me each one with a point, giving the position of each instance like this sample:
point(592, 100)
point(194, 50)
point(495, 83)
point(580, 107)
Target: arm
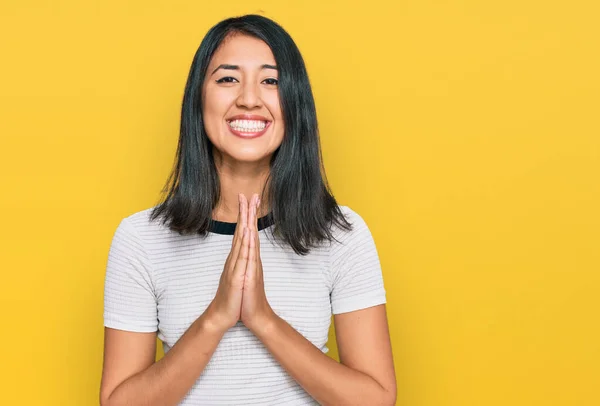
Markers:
point(131, 377)
point(365, 375)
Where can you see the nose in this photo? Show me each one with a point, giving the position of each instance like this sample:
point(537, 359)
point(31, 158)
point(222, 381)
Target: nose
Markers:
point(249, 95)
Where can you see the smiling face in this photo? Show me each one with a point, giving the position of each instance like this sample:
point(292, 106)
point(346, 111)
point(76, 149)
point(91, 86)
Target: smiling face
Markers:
point(241, 111)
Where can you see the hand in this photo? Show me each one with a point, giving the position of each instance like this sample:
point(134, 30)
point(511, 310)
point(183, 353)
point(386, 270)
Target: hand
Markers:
point(225, 309)
point(256, 313)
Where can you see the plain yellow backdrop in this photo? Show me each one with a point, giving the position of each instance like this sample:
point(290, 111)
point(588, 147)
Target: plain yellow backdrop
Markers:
point(466, 133)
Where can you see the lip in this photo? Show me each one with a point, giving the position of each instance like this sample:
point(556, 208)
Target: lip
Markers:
point(247, 135)
point(248, 117)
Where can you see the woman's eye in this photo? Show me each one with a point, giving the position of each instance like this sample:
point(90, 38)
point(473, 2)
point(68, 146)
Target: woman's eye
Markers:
point(226, 79)
point(230, 79)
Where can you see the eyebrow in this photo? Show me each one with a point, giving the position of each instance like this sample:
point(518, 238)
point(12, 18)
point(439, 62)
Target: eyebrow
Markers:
point(236, 67)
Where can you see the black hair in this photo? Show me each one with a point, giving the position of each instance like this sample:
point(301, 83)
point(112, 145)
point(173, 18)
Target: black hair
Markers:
point(302, 206)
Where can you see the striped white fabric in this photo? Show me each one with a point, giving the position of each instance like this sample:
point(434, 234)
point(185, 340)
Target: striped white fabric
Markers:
point(158, 280)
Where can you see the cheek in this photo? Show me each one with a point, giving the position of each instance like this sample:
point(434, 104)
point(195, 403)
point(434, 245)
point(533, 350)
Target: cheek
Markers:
point(272, 103)
point(213, 112)
point(210, 124)
point(275, 110)
point(213, 103)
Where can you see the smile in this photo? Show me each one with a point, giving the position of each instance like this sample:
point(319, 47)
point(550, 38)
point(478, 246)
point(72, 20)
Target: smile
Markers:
point(248, 128)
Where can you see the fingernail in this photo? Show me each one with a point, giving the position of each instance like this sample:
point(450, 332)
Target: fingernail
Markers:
point(258, 203)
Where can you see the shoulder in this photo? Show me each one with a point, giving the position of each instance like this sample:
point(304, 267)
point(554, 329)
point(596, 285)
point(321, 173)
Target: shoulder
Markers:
point(139, 218)
point(359, 225)
point(141, 221)
point(140, 226)
point(345, 240)
point(352, 215)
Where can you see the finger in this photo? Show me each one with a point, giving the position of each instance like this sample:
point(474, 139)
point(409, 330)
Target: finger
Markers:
point(252, 213)
point(244, 211)
point(252, 266)
point(235, 251)
point(258, 261)
point(237, 235)
point(256, 212)
point(256, 257)
point(255, 243)
point(257, 231)
point(242, 259)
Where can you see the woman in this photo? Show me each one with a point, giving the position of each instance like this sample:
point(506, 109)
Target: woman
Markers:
point(241, 289)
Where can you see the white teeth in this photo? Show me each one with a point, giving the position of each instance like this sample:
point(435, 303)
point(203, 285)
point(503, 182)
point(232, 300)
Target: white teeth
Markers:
point(247, 125)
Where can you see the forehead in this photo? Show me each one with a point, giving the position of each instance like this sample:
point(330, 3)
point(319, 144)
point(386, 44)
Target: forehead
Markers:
point(243, 50)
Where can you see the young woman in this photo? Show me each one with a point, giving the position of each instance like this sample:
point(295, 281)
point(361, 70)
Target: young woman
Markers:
point(240, 268)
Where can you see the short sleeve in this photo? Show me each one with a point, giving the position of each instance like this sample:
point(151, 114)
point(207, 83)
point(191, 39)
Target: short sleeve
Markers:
point(129, 296)
point(355, 270)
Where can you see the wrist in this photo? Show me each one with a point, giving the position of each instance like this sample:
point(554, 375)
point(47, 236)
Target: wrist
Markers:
point(265, 325)
point(212, 321)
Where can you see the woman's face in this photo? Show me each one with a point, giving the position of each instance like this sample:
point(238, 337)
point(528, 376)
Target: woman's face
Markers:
point(241, 111)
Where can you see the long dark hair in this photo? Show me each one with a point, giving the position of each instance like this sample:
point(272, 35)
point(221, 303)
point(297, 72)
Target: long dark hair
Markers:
point(302, 205)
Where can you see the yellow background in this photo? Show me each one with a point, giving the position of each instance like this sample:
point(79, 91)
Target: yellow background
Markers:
point(466, 133)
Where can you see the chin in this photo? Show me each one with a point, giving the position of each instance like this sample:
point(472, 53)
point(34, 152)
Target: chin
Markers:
point(249, 155)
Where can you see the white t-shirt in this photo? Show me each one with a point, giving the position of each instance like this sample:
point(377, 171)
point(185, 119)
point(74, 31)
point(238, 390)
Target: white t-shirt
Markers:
point(158, 280)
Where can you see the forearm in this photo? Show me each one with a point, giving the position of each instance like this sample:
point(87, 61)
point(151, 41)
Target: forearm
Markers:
point(326, 380)
point(167, 381)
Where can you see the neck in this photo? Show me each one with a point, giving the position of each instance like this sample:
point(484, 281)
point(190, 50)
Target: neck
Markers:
point(247, 178)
